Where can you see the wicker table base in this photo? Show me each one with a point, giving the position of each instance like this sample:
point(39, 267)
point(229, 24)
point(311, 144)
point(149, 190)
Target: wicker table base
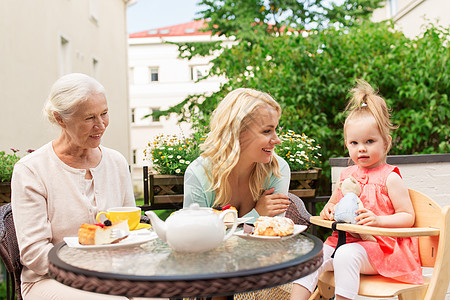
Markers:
point(148, 286)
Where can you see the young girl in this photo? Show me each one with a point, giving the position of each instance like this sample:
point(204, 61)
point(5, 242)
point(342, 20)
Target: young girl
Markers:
point(386, 204)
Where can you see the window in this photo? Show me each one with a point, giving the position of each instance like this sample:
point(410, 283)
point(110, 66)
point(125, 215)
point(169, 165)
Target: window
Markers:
point(199, 72)
point(134, 156)
point(64, 56)
point(131, 75)
point(393, 4)
point(93, 10)
point(138, 114)
point(94, 67)
point(153, 118)
point(133, 113)
point(154, 74)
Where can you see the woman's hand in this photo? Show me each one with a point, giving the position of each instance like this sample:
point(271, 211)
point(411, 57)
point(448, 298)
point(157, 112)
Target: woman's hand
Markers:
point(366, 217)
point(270, 204)
point(327, 212)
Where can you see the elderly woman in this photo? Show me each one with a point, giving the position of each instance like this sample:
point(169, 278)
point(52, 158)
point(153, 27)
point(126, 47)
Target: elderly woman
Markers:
point(66, 183)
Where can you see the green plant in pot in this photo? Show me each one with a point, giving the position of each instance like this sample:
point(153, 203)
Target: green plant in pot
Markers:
point(172, 154)
point(299, 151)
point(7, 162)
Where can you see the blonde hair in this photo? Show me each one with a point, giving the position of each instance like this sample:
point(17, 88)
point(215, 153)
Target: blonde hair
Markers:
point(222, 148)
point(366, 102)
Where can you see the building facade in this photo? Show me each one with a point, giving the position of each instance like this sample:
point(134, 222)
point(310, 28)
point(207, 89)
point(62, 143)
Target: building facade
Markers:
point(410, 16)
point(43, 40)
point(159, 79)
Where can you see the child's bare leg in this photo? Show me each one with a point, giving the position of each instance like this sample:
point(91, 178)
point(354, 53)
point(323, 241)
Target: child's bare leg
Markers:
point(299, 292)
point(341, 298)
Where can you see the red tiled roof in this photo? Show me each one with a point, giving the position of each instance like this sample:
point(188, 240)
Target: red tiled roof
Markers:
point(185, 29)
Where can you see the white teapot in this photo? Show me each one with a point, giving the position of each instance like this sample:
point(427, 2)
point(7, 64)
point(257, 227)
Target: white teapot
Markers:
point(193, 229)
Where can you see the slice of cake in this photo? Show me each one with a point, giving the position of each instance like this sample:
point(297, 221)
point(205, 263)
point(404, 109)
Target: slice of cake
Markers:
point(100, 234)
point(273, 226)
point(229, 218)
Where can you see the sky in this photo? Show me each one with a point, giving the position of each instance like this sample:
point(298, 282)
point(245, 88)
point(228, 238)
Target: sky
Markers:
point(150, 14)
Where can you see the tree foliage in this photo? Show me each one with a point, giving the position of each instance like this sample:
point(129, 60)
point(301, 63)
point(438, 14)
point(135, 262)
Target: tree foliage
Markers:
point(309, 72)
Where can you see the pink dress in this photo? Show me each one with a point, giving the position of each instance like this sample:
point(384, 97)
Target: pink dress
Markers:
point(396, 258)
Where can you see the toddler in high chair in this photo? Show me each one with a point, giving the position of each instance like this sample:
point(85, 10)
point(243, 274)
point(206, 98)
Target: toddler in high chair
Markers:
point(386, 204)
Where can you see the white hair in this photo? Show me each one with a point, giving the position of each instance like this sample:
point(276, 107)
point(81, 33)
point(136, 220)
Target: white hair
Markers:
point(68, 92)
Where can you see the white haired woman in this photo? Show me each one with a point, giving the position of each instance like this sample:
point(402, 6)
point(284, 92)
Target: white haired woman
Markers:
point(238, 165)
point(66, 183)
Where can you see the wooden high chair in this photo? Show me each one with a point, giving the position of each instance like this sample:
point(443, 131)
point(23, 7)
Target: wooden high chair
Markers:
point(431, 225)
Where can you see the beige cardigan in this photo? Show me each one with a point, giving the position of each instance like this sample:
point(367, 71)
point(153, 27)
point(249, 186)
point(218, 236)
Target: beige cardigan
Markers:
point(49, 203)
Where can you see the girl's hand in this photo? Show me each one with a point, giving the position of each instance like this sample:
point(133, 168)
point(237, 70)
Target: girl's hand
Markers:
point(270, 204)
point(327, 212)
point(366, 217)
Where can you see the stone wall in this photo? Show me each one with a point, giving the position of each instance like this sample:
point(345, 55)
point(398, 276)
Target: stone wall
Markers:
point(428, 173)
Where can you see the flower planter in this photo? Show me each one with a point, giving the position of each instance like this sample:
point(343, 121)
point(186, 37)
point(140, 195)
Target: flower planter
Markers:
point(166, 188)
point(5, 192)
point(162, 191)
point(166, 191)
point(303, 183)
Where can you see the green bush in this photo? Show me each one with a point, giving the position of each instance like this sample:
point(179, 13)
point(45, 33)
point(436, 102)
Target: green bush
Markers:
point(7, 162)
point(310, 77)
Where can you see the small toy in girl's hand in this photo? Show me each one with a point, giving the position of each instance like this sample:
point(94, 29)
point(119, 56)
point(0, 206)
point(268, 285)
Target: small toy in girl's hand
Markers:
point(345, 210)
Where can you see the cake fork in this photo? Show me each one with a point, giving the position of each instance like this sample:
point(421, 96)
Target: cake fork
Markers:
point(118, 234)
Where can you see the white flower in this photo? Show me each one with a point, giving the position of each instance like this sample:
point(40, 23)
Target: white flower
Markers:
point(188, 162)
point(182, 161)
point(177, 171)
point(178, 156)
point(170, 156)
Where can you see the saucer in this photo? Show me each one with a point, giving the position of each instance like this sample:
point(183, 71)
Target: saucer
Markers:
point(142, 226)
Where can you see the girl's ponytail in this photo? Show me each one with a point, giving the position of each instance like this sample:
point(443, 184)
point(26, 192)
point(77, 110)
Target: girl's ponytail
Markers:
point(365, 101)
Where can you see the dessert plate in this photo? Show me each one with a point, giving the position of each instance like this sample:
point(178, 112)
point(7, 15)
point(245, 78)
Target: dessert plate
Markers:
point(136, 237)
point(239, 221)
point(297, 229)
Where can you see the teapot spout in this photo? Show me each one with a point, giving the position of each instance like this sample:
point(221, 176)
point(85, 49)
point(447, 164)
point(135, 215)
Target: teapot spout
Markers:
point(158, 225)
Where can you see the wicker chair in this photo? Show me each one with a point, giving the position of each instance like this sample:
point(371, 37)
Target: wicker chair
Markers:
point(297, 211)
point(9, 252)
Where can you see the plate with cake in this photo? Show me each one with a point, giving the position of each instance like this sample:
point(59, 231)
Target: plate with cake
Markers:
point(229, 224)
point(271, 228)
point(229, 219)
point(108, 235)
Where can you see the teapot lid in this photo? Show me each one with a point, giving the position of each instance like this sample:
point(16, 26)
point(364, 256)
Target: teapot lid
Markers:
point(195, 209)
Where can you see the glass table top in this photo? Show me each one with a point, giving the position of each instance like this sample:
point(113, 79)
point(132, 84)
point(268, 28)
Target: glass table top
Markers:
point(156, 258)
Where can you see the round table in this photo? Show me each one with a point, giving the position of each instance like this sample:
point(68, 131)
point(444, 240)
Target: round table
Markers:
point(153, 269)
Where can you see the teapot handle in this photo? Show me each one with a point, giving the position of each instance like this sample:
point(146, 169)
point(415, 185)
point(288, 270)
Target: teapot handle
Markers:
point(235, 224)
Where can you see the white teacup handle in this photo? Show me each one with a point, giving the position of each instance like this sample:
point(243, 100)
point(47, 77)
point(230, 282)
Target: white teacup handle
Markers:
point(235, 223)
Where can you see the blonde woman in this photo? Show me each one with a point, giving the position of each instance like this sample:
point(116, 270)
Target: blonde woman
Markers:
point(238, 165)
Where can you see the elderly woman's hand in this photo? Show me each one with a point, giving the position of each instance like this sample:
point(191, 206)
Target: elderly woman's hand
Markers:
point(270, 204)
